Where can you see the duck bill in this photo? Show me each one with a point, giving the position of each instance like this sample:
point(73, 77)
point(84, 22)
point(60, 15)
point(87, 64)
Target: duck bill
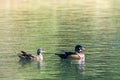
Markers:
point(83, 48)
point(43, 51)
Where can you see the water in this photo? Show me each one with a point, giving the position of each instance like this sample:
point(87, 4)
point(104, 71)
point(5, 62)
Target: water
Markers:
point(60, 25)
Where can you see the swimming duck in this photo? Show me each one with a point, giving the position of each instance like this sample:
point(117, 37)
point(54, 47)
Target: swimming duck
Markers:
point(78, 54)
point(27, 56)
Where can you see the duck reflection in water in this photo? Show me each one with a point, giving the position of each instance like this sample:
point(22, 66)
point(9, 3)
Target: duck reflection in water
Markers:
point(80, 65)
point(40, 65)
point(24, 62)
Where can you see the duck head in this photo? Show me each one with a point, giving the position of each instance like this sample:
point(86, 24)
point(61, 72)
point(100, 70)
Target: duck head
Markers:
point(40, 51)
point(79, 48)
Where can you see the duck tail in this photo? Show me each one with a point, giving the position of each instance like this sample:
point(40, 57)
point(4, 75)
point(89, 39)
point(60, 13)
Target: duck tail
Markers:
point(20, 55)
point(25, 55)
point(23, 52)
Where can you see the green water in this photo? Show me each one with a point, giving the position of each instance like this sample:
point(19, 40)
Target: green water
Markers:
point(60, 25)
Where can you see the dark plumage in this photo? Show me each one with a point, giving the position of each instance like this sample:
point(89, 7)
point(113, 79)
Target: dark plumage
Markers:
point(65, 55)
point(78, 49)
point(27, 56)
point(24, 55)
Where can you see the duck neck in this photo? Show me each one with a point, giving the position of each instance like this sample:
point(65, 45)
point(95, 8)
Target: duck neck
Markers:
point(39, 54)
point(39, 57)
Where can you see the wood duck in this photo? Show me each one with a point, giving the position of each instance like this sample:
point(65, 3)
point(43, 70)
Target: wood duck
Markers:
point(27, 56)
point(73, 55)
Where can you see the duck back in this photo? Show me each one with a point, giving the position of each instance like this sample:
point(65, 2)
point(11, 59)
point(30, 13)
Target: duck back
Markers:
point(65, 55)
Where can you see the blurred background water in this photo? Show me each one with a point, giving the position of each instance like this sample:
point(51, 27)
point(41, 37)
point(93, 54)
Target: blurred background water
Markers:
point(60, 25)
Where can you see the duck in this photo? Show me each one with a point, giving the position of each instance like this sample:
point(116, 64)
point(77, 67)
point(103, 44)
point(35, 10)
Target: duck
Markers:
point(27, 56)
point(77, 54)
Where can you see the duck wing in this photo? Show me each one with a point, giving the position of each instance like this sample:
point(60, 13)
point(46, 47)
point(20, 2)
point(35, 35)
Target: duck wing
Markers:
point(65, 55)
point(62, 56)
point(69, 53)
point(25, 55)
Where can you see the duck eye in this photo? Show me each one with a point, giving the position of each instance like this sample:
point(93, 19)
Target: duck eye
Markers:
point(79, 48)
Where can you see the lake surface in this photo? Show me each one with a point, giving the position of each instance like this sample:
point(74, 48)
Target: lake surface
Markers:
point(59, 25)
